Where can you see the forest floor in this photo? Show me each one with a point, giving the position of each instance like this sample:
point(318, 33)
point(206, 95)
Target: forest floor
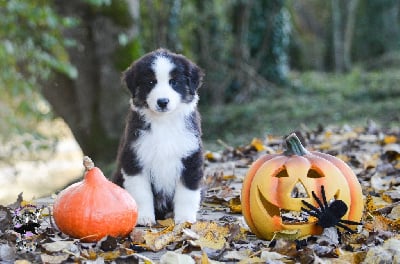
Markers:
point(221, 234)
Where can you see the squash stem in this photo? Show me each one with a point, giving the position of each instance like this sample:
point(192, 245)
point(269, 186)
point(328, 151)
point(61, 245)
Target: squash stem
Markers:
point(294, 146)
point(88, 163)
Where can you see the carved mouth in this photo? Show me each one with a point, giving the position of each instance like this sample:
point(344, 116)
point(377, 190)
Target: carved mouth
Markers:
point(289, 217)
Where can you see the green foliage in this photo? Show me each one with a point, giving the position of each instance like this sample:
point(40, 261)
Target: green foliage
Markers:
point(378, 28)
point(117, 10)
point(31, 48)
point(127, 53)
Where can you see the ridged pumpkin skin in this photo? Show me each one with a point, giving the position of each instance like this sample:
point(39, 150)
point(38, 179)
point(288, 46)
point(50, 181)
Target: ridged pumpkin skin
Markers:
point(270, 180)
point(94, 208)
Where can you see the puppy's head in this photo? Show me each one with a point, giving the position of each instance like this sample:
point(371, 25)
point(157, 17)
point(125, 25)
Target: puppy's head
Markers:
point(162, 80)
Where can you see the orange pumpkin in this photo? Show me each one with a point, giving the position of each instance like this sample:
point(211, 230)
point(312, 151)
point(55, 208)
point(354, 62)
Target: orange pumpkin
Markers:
point(94, 208)
point(268, 189)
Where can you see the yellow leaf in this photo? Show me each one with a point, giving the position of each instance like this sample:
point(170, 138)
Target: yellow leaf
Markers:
point(228, 177)
point(235, 205)
point(167, 222)
point(27, 203)
point(343, 157)
point(257, 144)
point(211, 234)
point(287, 234)
point(111, 255)
point(204, 258)
point(389, 139)
point(209, 155)
point(325, 145)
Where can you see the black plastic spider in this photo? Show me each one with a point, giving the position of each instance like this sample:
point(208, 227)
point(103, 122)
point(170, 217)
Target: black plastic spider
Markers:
point(329, 214)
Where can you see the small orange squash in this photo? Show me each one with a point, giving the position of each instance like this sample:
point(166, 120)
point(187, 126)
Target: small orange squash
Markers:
point(94, 207)
point(268, 189)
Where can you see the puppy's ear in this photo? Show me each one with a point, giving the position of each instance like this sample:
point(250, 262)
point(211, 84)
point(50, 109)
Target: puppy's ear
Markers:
point(129, 79)
point(195, 79)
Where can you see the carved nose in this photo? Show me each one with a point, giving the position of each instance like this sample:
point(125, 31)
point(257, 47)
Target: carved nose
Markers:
point(163, 102)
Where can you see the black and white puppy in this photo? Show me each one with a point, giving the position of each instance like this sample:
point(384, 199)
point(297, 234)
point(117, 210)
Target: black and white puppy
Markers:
point(160, 159)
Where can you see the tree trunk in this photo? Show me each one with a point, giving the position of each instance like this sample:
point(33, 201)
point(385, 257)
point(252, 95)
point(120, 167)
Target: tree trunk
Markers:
point(94, 105)
point(349, 33)
point(337, 36)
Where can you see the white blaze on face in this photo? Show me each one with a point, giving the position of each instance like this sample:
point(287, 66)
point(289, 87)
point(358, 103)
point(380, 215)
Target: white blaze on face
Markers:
point(163, 98)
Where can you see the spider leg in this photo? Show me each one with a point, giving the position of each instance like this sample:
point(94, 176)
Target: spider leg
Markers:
point(324, 196)
point(349, 222)
point(321, 206)
point(310, 212)
point(345, 227)
point(312, 207)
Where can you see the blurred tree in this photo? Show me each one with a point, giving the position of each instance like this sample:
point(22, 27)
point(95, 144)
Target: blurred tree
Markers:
point(378, 29)
point(310, 34)
point(243, 45)
point(93, 104)
point(343, 20)
point(113, 33)
point(31, 47)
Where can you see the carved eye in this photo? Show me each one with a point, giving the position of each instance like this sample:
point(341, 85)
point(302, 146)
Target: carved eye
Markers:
point(172, 82)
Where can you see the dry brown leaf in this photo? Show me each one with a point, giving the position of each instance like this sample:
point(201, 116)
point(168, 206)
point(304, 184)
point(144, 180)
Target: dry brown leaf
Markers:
point(211, 234)
point(158, 240)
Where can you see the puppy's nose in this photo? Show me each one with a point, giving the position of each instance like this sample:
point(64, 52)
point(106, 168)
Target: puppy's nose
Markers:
point(163, 102)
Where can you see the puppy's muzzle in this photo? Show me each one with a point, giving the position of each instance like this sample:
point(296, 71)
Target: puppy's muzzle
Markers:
point(162, 104)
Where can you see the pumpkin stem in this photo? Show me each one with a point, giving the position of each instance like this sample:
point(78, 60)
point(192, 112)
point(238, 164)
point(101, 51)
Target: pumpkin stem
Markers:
point(294, 146)
point(88, 163)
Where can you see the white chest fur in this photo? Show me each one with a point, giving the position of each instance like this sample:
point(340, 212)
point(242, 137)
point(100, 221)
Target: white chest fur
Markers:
point(161, 149)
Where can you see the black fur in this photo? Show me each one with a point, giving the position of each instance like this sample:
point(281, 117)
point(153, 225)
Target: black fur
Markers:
point(139, 79)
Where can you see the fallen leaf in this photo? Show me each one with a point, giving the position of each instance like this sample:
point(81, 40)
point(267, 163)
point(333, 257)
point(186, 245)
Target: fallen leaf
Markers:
point(211, 234)
point(235, 205)
point(175, 258)
point(158, 240)
point(7, 253)
point(110, 255)
point(59, 246)
point(389, 139)
point(257, 144)
point(329, 237)
point(271, 257)
point(237, 255)
point(388, 253)
point(54, 259)
point(395, 213)
point(166, 222)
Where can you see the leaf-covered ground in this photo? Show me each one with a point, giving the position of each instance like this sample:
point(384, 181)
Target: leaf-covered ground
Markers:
point(29, 235)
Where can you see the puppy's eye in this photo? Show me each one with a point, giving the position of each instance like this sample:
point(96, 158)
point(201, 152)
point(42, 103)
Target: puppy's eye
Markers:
point(152, 82)
point(172, 82)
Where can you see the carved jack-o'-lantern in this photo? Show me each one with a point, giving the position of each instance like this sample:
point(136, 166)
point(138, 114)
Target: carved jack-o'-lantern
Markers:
point(270, 184)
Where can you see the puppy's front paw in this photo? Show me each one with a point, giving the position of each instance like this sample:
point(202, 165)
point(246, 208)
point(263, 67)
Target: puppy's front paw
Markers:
point(185, 217)
point(146, 219)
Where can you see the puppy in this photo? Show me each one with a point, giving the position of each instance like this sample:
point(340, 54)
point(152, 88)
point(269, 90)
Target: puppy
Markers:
point(160, 159)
